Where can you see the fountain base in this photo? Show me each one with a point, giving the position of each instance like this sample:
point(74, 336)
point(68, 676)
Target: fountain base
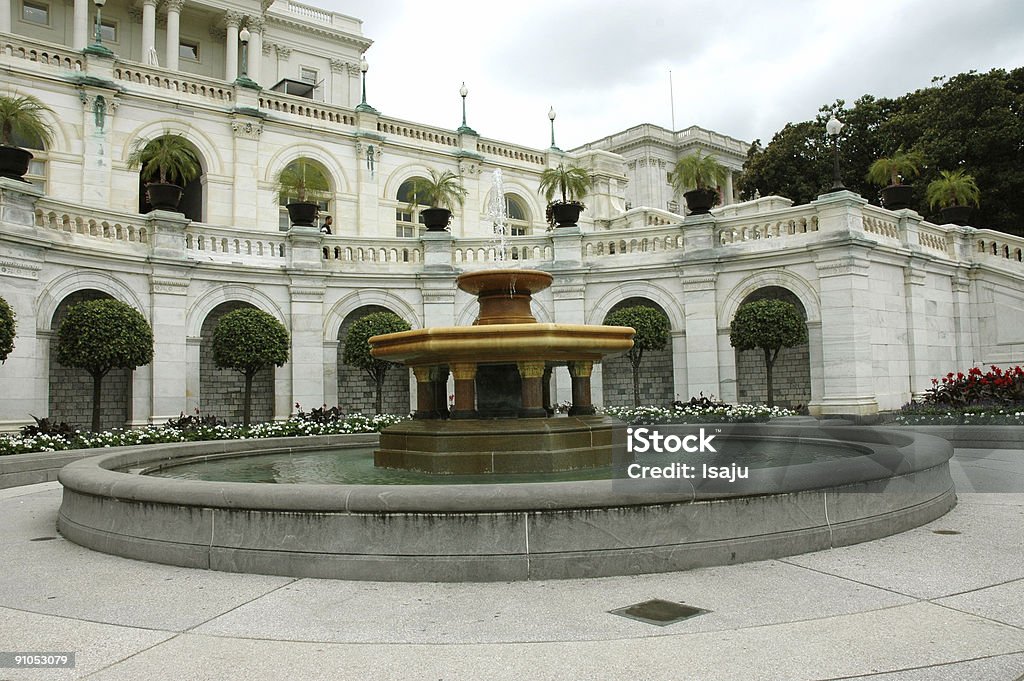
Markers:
point(530, 445)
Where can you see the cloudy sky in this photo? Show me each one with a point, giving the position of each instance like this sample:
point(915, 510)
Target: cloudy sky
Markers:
point(741, 68)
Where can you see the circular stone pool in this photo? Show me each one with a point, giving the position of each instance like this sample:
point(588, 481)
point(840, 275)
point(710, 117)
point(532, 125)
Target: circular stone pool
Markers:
point(808, 487)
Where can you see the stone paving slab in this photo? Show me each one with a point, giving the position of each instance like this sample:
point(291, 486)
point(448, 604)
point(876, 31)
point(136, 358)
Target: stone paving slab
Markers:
point(997, 668)
point(1002, 602)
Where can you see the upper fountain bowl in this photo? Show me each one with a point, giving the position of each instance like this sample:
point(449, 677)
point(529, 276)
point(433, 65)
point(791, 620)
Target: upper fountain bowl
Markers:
point(504, 295)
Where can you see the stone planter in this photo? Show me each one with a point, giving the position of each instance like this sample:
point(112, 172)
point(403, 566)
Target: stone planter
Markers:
point(566, 214)
point(302, 214)
point(955, 215)
point(164, 196)
point(436, 219)
point(898, 196)
point(700, 201)
point(14, 162)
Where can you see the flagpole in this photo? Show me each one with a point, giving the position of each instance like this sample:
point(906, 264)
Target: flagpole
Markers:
point(672, 100)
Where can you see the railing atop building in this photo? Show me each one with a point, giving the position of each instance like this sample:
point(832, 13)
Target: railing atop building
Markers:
point(280, 102)
point(225, 244)
point(746, 227)
point(418, 132)
point(521, 249)
point(655, 239)
point(339, 250)
point(43, 53)
point(512, 152)
point(219, 91)
point(991, 245)
point(95, 225)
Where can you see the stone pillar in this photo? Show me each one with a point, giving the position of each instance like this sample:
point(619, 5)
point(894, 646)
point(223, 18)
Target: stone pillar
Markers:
point(426, 392)
point(701, 334)
point(247, 132)
point(727, 191)
point(914, 280)
point(80, 28)
point(698, 233)
point(148, 30)
point(468, 219)
point(173, 33)
point(231, 20)
point(305, 248)
point(441, 392)
point(581, 399)
point(532, 374)
point(568, 302)
point(307, 296)
point(368, 155)
point(167, 234)
point(169, 382)
point(465, 390)
point(678, 346)
point(339, 84)
point(255, 55)
point(98, 107)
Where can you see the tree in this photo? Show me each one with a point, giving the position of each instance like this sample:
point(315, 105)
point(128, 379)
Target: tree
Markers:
point(166, 159)
point(100, 335)
point(357, 347)
point(248, 340)
point(769, 325)
point(442, 190)
point(570, 182)
point(7, 329)
point(22, 120)
point(652, 333)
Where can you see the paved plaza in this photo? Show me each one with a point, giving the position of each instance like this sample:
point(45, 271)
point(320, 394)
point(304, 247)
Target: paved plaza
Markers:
point(944, 601)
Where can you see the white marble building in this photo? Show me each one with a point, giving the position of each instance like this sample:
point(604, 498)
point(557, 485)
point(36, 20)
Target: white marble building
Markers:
point(890, 300)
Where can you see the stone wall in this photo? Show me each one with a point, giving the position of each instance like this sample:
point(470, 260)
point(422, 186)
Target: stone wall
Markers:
point(791, 377)
point(71, 389)
point(655, 379)
point(357, 393)
point(222, 391)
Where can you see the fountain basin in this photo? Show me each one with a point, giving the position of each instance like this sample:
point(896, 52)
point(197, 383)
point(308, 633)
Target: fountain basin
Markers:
point(891, 482)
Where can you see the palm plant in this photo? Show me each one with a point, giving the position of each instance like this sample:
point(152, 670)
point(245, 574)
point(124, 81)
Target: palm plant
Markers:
point(303, 181)
point(21, 118)
point(442, 190)
point(697, 172)
point(954, 188)
point(892, 170)
point(168, 159)
point(571, 182)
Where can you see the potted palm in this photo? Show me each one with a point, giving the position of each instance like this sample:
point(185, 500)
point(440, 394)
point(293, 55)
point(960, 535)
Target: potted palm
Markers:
point(889, 172)
point(954, 193)
point(571, 183)
point(442, 192)
point(302, 185)
point(701, 175)
point(21, 119)
point(168, 164)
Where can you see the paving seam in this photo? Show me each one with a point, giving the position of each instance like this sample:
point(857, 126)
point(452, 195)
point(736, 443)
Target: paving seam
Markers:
point(984, 617)
point(89, 621)
point(927, 666)
point(917, 599)
point(980, 588)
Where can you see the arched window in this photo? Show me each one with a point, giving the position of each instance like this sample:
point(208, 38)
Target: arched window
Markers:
point(407, 212)
point(518, 217)
point(192, 199)
point(312, 177)
point(37, 166)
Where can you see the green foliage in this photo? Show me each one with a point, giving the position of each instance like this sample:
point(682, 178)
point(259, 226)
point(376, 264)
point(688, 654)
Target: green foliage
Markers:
point(8, 327)
point(697, 172)
point(357, 347)
point(570, 182)
point(166, 159)
point(248, 340)
point(442, 190)
point(892, 170)
point(302, 180)
point(953, 188)
point(21, 118)
point(652, 333)
point(100, 335)
point(973, 120)
point(769, 325)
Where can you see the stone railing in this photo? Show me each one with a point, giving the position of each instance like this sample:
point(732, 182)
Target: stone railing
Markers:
point(98, 226)
point(224, 244)
point(510, 151)
point(46, 54)
point(211, 89)
point(338, 250)
point(788, 222)
point(520, 249)
point(415, 131)
point(932, 237)
point(279, 102)
point(644, 240)
point(881, 222)
point(309, 13)
point(1000, 246)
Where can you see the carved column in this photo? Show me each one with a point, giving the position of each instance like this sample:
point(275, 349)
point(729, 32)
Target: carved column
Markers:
point(149, 31)
point(255, 57)
point(532, 374)
point(426, 392)
point(581, 400)
point(80, 30)
point(465, 391)
point(231, 21)
point(173, 32)
point(545, 382)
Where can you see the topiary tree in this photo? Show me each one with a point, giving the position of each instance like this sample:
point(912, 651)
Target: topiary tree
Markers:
point(7, 328)
point(769, 325)
point(247, 341)
point(357, 347)
point(100, 335)
point(652, 333)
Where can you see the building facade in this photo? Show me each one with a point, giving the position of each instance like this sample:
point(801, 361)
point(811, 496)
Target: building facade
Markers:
point(890, 300)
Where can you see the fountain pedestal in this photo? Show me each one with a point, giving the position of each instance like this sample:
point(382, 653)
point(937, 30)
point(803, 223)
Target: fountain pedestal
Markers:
point(501, 422)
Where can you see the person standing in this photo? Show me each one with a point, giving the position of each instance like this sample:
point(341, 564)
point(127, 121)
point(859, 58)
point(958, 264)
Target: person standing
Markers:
point(328, 226)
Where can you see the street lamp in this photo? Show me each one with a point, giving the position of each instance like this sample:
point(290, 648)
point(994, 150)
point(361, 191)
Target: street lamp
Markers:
point(97, 47)
point(551, 117)
point(243, 79)
point(833, 127)
point(463, 91)
point(363, 106)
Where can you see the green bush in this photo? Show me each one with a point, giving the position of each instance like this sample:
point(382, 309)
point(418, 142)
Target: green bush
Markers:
point(248, 340)
point(652, 333)
point(357, 347)
point(769, 325)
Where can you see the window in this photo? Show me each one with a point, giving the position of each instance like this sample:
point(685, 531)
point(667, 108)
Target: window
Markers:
point(108, 30)
point(307, 75)
point(518, 220)
point(35, 13)
point(315, 178)
point(407, 214)
point(37, 166)
point(188, 50)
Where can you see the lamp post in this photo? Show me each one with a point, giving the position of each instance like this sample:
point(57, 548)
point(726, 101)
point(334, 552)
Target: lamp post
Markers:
point(463, 91)
point(97, 47)
point(833, 127)
point(551, 117)
point(364, 66)
point(243, 79)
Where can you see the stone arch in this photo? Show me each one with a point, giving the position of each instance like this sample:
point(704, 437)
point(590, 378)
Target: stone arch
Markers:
point(356, 391)
point(635, 289)
point(797, 285)
point(208, 151)
point(791, 372)
point(70, 389)
point(405, 172)
point(222, 391)
point(656, 369)
point(193, 198)
point(200, 310)
point(335, 172)
point(61, 138)
point(385, 299)
point(63, 286)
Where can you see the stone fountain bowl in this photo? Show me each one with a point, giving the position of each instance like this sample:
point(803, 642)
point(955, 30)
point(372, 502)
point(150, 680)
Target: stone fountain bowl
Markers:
point(504, 281)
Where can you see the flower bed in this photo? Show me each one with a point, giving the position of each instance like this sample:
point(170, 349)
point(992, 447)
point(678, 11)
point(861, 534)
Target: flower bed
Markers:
point(696, 413)
point(921, 415)
point(993, 397)
point(356, 423)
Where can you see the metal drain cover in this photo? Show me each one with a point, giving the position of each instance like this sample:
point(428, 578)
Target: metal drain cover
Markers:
point(658, 612)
